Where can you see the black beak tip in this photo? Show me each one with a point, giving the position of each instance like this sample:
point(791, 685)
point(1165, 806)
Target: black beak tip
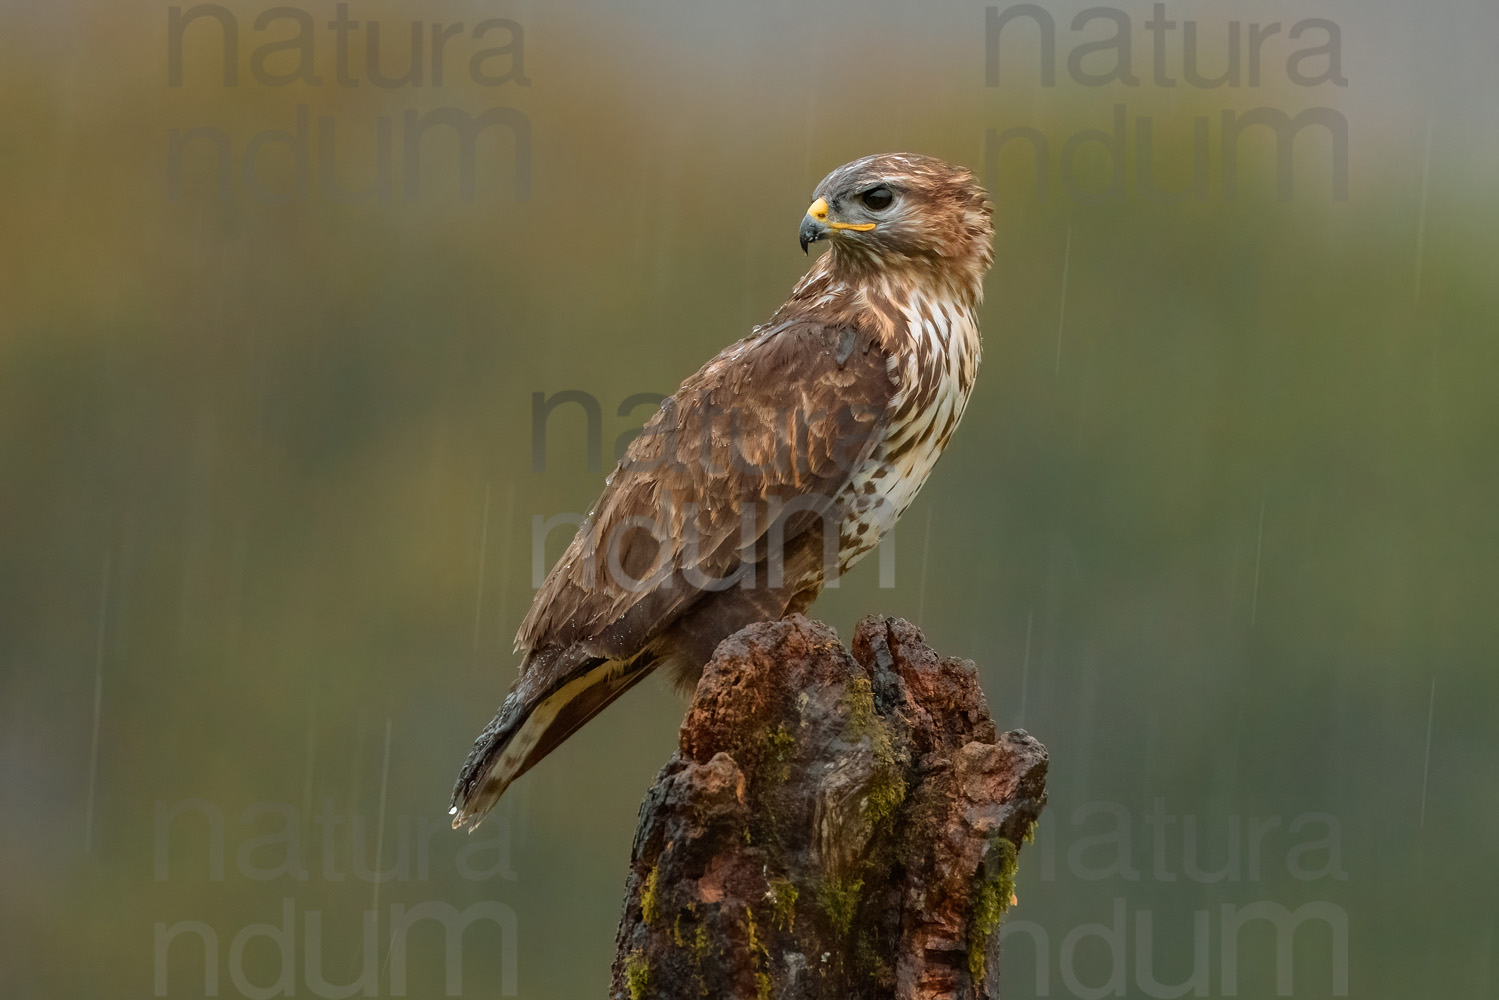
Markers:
point(810, 232)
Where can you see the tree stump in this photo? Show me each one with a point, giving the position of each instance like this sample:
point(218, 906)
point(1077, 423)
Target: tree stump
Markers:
point(832, 825)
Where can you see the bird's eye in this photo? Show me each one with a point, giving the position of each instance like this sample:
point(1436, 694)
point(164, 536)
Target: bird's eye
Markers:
point(877, 199)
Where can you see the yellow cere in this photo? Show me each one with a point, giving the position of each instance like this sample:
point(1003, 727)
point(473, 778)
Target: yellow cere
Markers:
point(819, 211)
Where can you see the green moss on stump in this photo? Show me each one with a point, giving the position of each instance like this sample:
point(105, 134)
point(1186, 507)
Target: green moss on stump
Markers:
point(650, 897)
point(701, 947)
point(779, 743)
point(991, 898)
point(783, 894)
point(637, 975)
point(752, 935)
point(887, 786)
point(860, 702)
point(839, 899)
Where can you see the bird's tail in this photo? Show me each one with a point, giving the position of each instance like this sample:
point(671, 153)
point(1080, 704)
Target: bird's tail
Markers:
point(530, 725)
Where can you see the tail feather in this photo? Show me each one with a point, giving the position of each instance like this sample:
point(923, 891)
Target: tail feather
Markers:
point(529, 726)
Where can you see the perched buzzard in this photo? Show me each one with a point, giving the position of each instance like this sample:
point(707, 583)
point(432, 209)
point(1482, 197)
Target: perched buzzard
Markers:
point(771, 470)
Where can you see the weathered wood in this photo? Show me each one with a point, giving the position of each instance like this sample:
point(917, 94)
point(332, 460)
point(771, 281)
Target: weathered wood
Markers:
point(832, 825)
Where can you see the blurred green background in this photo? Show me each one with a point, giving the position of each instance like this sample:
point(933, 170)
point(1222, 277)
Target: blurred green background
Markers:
point(1218, 528)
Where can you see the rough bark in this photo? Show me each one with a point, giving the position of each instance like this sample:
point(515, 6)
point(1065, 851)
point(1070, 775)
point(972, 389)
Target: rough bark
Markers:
point(831, 825)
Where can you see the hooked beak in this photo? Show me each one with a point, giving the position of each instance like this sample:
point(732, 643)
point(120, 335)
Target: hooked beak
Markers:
point(816, 225)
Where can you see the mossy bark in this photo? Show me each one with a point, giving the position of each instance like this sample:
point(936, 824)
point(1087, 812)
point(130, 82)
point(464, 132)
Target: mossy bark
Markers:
point(833, 824)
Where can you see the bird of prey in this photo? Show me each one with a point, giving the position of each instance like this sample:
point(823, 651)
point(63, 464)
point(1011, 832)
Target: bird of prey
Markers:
point(771, 470)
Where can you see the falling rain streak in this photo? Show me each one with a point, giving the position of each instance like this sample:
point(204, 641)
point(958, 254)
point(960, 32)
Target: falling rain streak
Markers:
point(479, 590)
point(1254, 607)
point(311, 764)
point(1421, 213)
point(93, 757)
point(1062, 306)
point(1431, 711)
point(1025, 667)
point(380, 821)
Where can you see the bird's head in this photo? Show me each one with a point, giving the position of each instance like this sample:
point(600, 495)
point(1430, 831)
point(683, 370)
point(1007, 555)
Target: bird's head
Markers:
point(900, 211)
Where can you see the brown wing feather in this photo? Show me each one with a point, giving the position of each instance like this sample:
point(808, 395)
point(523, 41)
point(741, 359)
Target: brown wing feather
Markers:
point(773, 417)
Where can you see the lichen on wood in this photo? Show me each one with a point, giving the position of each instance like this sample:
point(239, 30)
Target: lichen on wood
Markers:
point(834, 823)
